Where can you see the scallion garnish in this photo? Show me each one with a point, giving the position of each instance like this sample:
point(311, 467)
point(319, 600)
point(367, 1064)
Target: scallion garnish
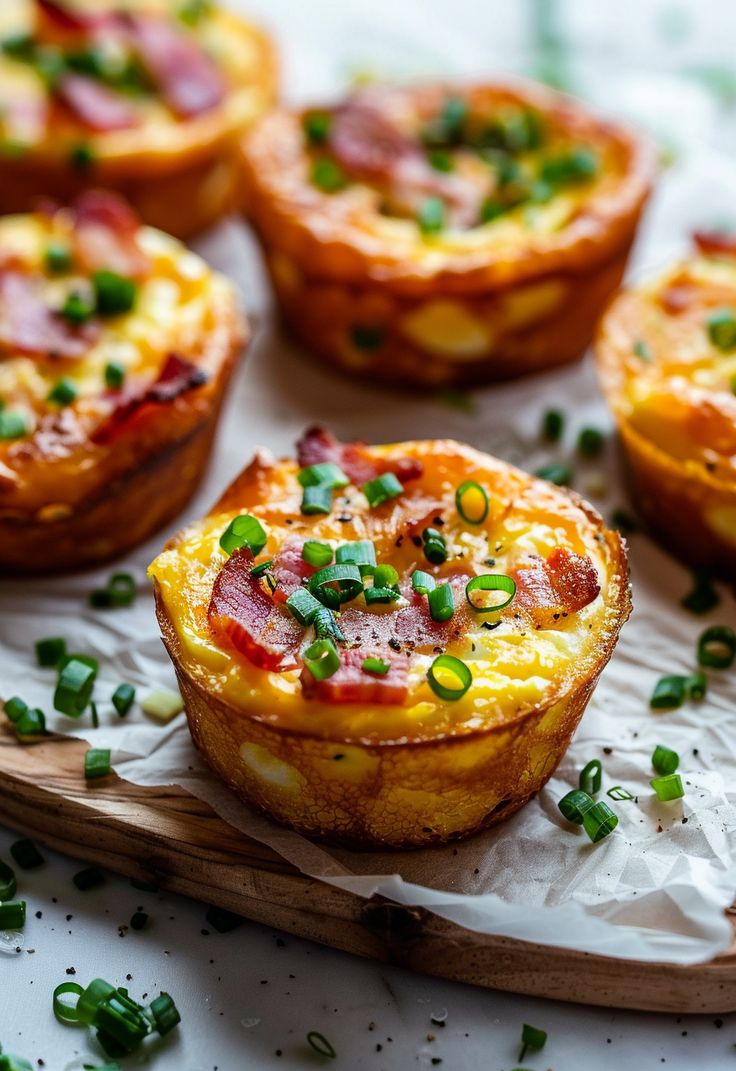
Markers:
point(64, 1012)
point(599, 821)
point(696, 686)
point(375, 666)
point(9, 1062)
point(591, 777)
point(114, 375)
point(590, 442)
point(435, 547)
point(384, 487)
point(26, 854)
point(89, 878)
point(74, 688)
point(162, 705)
point(63, 392)
point(82, 157)
point(316, 125)
point(12, 424)
point(619, 793)
point(422, 583)
point(303, 605)
point(449, 677)
point(316, 500)
point(328, 176)
point(642, 349)
point(12, 917)
point(668, 787)
point(97, 763)
point(665, 760)
point(556, 472)
point(8, 883)
point(347, 578)
point(122, 698)
point(262, 569)
point(717, 647)
point(322, 659)
point(120, 591)
point(57, 258)
point(366, 337)
point(431, 215)
point(14, 708)
point(531, 1038)
point(669, 692)
point(49, 652)
point(574, 165)
point(325, 472)
point(703, 596)
point(574, 805)
point(361, 553)
point(320, 1044)
point(325, 624)
point(114, 294)
point(121, 1023)
point(77, 309)
point(722, 329)
point(441, 603)
point(471, 502)
point(30, 725)
point(553, 425)
point(316, 553)
point(380, 595)
point(244, 531)
point(165, 1014)
point(496, 582)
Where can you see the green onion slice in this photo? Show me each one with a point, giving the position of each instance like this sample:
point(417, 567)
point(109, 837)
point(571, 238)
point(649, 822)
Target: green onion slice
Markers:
point(13, 916)
point(375, 666)
point(165, 1014)
point(497, 582)
point(703, 596)
point(591, 777)
point(97, 763)
point(618, 793)
point(717, 647)
point(553, 425)
point(384, 487)
point(555, 472)
point(697, 686)
point(303, 606)
point(668, 787)
point(317, 499)
point(316, 553)
point(114, 375)
point(31, 724)
point(122, 698)
point(441, 603)
point(325, 624)
point(26, 854)
point(380, 595)
point(665, 760)
point(385, 576)
point(49, 652)
point(361, 553)
point(574, 805)
point(15, 708)
point(722, 329)
point(320, 1044)
point(325, 473)
point(64, 1012)
point(531, 1038)
point(321, 659)
point(262, 569)
point(12, 424)
point(121, 590)
point(591, 442)
point(96, 993)
point(447, 667)
point(599, 821)
point(8, 883)
point(423, 583)
point(346, 577)
point(74, 688)
point(244, 531)
point(471, 501)
point(114, 294)
point(669, 692)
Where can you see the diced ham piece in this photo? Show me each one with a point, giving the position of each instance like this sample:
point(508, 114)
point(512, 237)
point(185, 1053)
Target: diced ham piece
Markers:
point(318, 445)
point(106, 235)
point(548, 590)
point(352, 684)
point(177, 376)
point(715, 242)
point(186, 77)
point(29, 326)
point(244, 614)
point(101, 108)
point(289, 570)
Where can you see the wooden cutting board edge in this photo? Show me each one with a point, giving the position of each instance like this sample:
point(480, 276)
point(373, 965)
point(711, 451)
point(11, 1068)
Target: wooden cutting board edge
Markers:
point(190, 850)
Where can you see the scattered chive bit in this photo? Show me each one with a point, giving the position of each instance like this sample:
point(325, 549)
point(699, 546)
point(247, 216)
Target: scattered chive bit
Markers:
point(619, 793)
point(361, 552)
point(722, 329)
point(26, 854)
point(441, 603)
point(591, 777)
point(471, 502)
point(599, 821)
point(384, 487)
point(222, 920)
point(303, 605)
point(77, 309)
point(49, 652)
point(703, 596)
point(322, 659)
point(121, 1023)
point(434, 546)
point(138, 920)
point(74, 688)
point(120, 591)
point(422, 583)
point(642, 350)
point(574, 805)
point(162, 705)
point(63, 392)
point(94, 714)
point(97, 763)
point(191, 12)
point(431, 215)
point(114, 375)
point(664, 760)
point(57, 258)
point(164, 1013)
point(366, 337)
point(669, 693)
point(14, 708)
point(316, 126)
point(8, 883)
point(449, 677)
point(717, 647)
point(553, 425)
point(316, 500)
point(114, 294)
point(30, 726)
point(696, 686)
point(89, 878)
point(12, 424)
point(496, 582)
point(349, 584)
point(576, 165)
point(123, 698)
point(624, 522)
point(316, 553)
point(558, 472)
point(12, 915)
point(376, 666)
point(82, 157)
point(244, 531)
point(591, 442)
point(668, 787)
point(263, 570)
point(320, 1044)
point(324, 472)
point(531, 1038)
point(9, 1062)
point(328, 176)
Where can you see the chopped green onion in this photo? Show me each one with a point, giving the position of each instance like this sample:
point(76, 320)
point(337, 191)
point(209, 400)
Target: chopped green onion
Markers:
point(376, 666)
point(440, 160)
point(325, 625)
point(316, 126)
point(94, 715)
point(316, 553)
point(63, 392)
point(8, 1062)
point(30, 724)
point(366, 337)
point(120, 591)
point(669, 692)
point(490, 582)
point(114, 375)
point(619, 793)
point(49, 652)
point(422, 583)
point(599, 821)
point(717, 647)
point(122, 698)
point(191, 12)
point(82, 157)
point(222, 920)
point(320, 1044)
point(165, 1014)
point(12, 424)
point(431, 215)
point(591, 777)
point(244, 531)
point(14, 708)
point(441, 603)
point(696, 686)
point(121, 1024)
point(385, 576)
point(380, 595)
point(64, 1012)
point(74, 688)
point(97, 763)
point(138, 920)
point(471, 502)
point(325, 473)
point(444, 667)
point(574, 805)
point(87, 659)
point(262, 570)
point(591, 442)
point(89, 878)
point(668, 787)
point(531, 1038)
point(381, 489)
point(26, 854)
point(114, 294)
point(435, 547)
point(303, 605)
point(703, 596)
point(90, 999)
point(8, 883)
point(576, 165)
point(316, 500)
point(556, 472)
point(321, 659)
point(665, 760)
point(162, 705)
point(361, 553)
point(722, 329)
point(328, 176)
point(348, 580)
point(553, 425)
point(643, 350)
point(19, 44)
point(13, 915)
point(77, 309)
point(57, 258)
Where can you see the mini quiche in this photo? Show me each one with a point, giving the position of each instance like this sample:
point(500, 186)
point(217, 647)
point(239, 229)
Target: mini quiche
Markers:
point(666, 354)
point(116, 345)
point(390, 645)
point(148, 97)
point(437, 235)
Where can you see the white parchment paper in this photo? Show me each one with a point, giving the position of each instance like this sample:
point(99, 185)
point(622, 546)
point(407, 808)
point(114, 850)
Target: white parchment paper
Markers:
point(658, 887)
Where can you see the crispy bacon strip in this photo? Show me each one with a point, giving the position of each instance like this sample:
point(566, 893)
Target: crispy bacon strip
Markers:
point(244, 614)
point(106, 235)
point(716, 242)
point(186, 77)
point(29, 326)
point(177, 376)
point(317, 445)
point(351, 684)
point(289, 570)
point(550, 589)
point(62, 24)
point(409, 628)
point(100, 107)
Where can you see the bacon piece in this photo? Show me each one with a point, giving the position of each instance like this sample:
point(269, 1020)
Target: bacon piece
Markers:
point(28, 325)
point(106, 235)
point(100, 107)
point(715, 242)
point(550, 589)
point(289, 570)
point(317, 445)
point(351, 684)
point(241, 611)
point(368, 144)
point(62, 24)
point(186, 77)
point(410, 627)
point(177, 376)
point(677, 298)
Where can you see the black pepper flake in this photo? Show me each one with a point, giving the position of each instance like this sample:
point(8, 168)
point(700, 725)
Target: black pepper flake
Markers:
point(399, 541)
point(71, 970)
point(416, 540)
point(394, 644)
point(608, 751)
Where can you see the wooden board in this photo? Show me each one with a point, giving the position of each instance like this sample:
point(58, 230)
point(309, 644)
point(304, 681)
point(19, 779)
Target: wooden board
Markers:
point(188, 849)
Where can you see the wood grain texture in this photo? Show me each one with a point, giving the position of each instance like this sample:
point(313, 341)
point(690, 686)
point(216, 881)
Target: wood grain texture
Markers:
point(165, 835)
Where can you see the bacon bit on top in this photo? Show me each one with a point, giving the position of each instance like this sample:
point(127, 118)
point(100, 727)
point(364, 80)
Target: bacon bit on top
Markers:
point(289, 570)
point(28, 325)
point(100, 107)
point(552, 588)
point(351, 684)
point(187, 79)
point(177, 376)
point(715, 242)
point(317, 445)
point(106, 235)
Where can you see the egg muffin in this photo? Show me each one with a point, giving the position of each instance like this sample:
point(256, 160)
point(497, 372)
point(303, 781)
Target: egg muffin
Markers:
point(148, 97)
point(389, 645)
point(441, 235)
point(116, 346)
point(666, 353)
